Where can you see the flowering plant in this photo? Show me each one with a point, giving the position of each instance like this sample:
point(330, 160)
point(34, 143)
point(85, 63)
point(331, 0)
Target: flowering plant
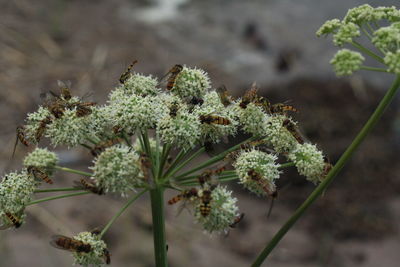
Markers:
point(148, 133)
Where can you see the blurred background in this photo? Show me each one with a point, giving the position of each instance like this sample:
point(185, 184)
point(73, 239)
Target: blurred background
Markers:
point(355, 223)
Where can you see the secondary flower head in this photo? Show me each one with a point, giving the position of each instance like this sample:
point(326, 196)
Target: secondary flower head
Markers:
point(346, 33)
point(309, 161)
point(191, 82)
point(182, 130)
point(33, 121)
point(136, 112)
point(16, 191)
point(360, 14)
point(252, 119)
point(69, 130)
point(277, 135)
point(387, 38)
point(329, 27)
point(117, 169)
point(257, 171)
point(43, 159)
point(392, 60)
point(100, 123)
point(212, 106)
point(223, 210)
point(97, 250)
point(345, 62)
point(140, 85)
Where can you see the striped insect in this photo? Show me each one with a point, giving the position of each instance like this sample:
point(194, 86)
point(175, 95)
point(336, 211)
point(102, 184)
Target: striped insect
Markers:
point(39, 174)
point(127, 73)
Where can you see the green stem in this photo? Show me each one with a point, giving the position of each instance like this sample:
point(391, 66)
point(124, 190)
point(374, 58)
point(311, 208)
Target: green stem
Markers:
point(57, 197)
point(183, 164)
point(86, 146)
point(157, 208)
point(119, 213)
point(73, 171)
point(164, 157)
point(177, 159)
point(367, 51)
point(57, 190)
point(373, 69)
point(214, 159)
point(334, 171)
point(286, 165)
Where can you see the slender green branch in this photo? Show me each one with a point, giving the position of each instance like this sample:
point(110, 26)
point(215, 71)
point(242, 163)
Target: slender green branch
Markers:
point(177, 159)
point(334, 171)
point(91, 140)
point(367, 51)
point(86, 146)
point(57, 197)
point(366, 32)
point(157, 208)
point(73, 171)
point(374, 69)
point(214, 159)
point(157, 156)
point(119, 213)
point(57, 190)
point(164, 157)
point(183, 164)
point(286, 165)
point(126, 139)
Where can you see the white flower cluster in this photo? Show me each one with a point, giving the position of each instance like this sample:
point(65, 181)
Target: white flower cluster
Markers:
point(117, 169)
point(223, 211)
point(43, 159)
point(96, 255)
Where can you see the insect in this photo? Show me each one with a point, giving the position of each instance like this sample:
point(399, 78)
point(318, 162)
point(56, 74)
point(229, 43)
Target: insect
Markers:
point(205, 197)
point(266, 186)
point(65, 89)
point(212, 119)
point(71, 244)
point(173, 74)
point(100, 147)
point(185, 194)
point(196, 101)
point(237, 220)
point(107, 256)
point(82, 108)
point(15, 221)
point(42, 128)
point(21, 137)
point(173, 109)
point(327, 166)
point(291, 127)
point(250, 96)
point(145, 164)
point(127, 73)
point(39, 174)
point(89, 186)
point(223, 95)
point(281, 108)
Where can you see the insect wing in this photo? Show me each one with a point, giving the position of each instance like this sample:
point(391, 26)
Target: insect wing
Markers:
point(57, 239)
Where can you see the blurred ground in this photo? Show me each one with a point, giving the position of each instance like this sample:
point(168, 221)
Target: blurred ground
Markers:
point(272, 42)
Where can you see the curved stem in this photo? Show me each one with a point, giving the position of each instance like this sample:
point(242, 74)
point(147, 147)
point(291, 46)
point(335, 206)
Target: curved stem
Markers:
point(367, 51)
point(119, 213)
point(157, 209)
point(57, 197)
point(57, 190)
point(73, 171)
point(374, 69)
point(331, 175)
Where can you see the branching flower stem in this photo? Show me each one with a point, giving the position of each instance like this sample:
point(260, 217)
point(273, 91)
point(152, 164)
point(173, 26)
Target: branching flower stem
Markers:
point(121, 211)
point(331, 175)
point(57, 197)
point(73, 171)
point(58, 189)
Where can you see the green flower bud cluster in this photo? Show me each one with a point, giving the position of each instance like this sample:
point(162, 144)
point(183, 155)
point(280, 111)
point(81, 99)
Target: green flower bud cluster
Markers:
point(365, 19)
point(43, 159)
